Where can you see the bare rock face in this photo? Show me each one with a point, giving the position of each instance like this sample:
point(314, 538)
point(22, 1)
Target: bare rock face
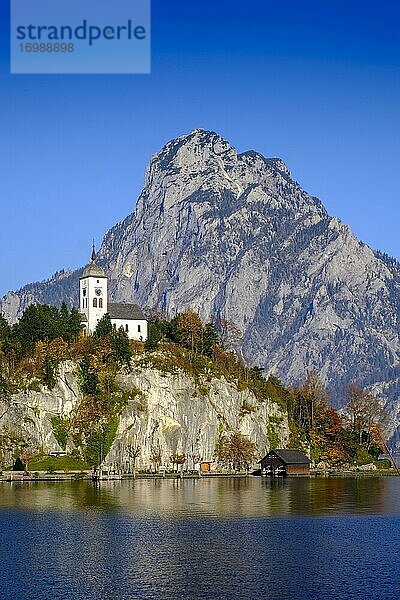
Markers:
point(178, 418)
point(170, 414)
point(29, 414)
point(233, 236)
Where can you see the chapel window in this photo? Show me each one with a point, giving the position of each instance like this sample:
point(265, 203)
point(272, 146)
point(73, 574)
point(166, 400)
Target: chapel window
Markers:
point(100, 302)
point(94, 302)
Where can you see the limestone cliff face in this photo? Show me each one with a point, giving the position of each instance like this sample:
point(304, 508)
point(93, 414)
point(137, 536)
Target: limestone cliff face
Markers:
point(171, 414)
point(234, 236)
point(29, 413)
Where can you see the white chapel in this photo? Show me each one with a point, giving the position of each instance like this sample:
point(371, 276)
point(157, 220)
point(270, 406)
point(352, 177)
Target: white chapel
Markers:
point(93, 304)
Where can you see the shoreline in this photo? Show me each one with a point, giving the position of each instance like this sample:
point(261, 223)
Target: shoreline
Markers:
point(73, 476)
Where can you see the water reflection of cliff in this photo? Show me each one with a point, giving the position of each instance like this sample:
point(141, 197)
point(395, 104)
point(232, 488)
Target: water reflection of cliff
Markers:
point(60, 496)
point(219, 497)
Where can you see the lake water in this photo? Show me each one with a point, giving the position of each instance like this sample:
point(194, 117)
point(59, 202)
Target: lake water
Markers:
point(311, 539)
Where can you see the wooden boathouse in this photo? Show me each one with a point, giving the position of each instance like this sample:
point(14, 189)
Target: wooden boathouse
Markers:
point(285, 463)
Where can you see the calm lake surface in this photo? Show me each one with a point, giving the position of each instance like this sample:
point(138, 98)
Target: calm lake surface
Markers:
point(211, 538)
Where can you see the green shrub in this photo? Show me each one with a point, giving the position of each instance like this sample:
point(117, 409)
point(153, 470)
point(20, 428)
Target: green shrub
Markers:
point(363, 457)
point(272, 435)
point(18, 465)
point(61, 427)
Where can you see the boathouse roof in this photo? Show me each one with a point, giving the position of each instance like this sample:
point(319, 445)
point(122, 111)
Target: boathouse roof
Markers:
point(290, 456)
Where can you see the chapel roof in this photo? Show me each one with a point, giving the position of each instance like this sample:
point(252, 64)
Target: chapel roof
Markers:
point(127, 312)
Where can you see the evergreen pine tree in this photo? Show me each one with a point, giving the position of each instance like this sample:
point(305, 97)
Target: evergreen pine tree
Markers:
point(104, 327)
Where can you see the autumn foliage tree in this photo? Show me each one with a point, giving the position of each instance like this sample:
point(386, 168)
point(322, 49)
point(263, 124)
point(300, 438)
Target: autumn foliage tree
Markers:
point(134, 450)
point(156, 456)
point(187, 329)
point(178, 459)
point(309, 402)
point(367, 416)
point(236, 450)
point(317, 425)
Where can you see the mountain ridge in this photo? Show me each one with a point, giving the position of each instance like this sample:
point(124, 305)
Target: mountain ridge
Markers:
point(234, 237)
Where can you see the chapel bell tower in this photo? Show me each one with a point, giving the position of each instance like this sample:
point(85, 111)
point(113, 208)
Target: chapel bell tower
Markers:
point(93, 293)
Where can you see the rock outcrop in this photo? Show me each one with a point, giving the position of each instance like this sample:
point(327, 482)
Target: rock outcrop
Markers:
point(171, 414)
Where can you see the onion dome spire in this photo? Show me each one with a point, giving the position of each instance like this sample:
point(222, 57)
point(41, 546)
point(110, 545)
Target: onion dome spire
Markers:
point(93, 257)
point(92, 269)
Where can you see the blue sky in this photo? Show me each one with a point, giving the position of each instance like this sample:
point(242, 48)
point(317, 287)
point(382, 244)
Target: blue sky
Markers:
point(314, 82)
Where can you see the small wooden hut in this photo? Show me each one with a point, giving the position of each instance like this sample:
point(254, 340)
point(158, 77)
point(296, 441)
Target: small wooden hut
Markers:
point(205, 466)
point(285, 463)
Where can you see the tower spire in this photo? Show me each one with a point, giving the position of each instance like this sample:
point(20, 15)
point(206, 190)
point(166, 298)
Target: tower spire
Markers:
point(93, 257)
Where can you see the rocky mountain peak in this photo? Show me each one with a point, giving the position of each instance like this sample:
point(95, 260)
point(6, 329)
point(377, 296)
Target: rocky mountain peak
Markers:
point(196, 148)
point(196, 159)
point(235, 238)
point(202, 167)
